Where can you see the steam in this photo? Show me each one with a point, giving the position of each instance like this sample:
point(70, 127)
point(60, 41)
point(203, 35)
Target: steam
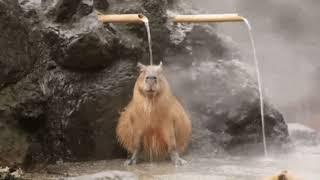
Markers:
point(287, 40)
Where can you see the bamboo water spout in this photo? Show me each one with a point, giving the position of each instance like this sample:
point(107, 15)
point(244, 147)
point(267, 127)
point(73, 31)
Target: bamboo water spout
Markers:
point(123, 18)
point(207, 18)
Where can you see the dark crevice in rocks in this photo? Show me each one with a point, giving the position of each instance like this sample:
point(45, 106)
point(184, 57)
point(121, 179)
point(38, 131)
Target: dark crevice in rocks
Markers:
point(66, 9)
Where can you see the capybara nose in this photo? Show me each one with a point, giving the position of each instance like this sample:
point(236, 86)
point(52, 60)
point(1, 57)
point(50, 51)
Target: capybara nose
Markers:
point(151, 78)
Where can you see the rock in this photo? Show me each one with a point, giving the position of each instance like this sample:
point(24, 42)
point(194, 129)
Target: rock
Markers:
point(10, 173)
point(88, 44)
point(303, 135)
point(82, 49)
point(37, 104)
point(192, 43)
point(101, 5)
point(84, 109)
point(85, 8)
point(23, 114)
point(104, 72)
point(82, 113)
point(21, 101)
point(65, 10)
point(14, 62)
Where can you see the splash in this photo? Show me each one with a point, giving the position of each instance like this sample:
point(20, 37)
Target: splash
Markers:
point(146, 23)
point(256, 62)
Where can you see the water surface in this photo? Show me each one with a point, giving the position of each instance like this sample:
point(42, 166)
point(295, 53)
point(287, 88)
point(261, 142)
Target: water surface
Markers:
point(303, 161)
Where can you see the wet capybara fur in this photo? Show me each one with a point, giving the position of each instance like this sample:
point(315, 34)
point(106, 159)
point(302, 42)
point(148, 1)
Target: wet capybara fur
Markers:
point(154, 123)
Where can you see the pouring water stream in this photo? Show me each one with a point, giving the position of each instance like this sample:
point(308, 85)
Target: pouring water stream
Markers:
point(256, 62)
point(146, 23)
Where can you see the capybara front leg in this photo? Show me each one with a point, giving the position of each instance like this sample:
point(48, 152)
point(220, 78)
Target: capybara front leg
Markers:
point(174, 155)
point(136, 146)
point(176, 159)
point(133, 158)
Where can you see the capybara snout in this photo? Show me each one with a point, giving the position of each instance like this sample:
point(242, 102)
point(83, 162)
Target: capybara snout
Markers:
point(151, 82)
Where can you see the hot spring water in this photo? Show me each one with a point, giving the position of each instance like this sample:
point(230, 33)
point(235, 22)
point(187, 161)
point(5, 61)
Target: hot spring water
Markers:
point(302, 161)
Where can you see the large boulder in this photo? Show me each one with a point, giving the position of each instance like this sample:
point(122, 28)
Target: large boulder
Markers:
point(79, 41)
point(82, 112)
point(303, 135)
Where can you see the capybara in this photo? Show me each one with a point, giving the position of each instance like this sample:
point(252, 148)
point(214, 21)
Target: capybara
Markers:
point(154, 122)
point(284, 175)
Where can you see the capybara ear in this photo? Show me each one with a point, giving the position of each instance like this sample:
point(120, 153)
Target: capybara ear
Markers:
point(141, 67)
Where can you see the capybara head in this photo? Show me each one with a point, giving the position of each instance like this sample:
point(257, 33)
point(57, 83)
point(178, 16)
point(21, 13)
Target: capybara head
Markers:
point(151, 81)
point(284, 175)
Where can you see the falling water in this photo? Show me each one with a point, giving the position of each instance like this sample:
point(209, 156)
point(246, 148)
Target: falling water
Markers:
point(260, 86)
point(146, 23)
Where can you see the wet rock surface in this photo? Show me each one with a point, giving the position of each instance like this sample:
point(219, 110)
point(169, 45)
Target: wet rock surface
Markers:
point(10, 173)
point(64, 78)
point(303, 135)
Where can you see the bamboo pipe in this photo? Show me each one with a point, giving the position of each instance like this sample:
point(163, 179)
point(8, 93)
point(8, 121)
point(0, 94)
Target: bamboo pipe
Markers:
point(123, 18)
point(207, 18)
